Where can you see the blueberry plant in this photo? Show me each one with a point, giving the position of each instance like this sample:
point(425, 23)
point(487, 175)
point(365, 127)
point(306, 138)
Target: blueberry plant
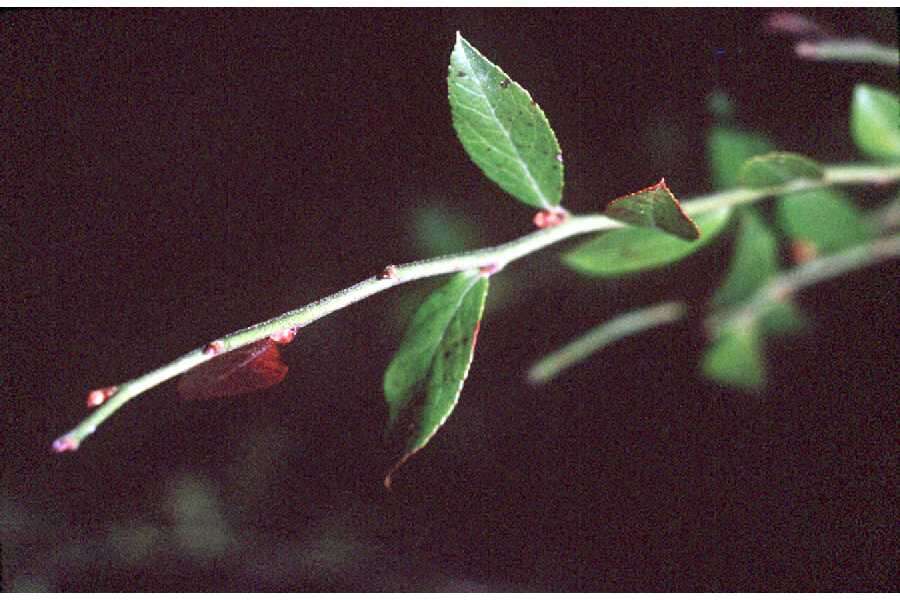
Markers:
point(508, 136)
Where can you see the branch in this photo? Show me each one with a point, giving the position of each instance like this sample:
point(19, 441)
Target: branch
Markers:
point(603, 335)
point(850, 51)
point(494, 258)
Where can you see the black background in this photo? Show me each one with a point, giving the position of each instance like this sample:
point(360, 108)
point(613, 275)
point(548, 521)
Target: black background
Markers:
point(170, 176)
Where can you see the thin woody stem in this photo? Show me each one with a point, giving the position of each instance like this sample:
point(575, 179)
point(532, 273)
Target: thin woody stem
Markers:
point(493, 257)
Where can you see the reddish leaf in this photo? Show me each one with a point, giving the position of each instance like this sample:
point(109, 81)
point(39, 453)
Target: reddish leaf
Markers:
point(248, 369)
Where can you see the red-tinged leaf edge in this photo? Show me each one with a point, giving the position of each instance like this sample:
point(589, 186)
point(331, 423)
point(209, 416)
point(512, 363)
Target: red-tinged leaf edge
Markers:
point(254, 367)
point(655, 207)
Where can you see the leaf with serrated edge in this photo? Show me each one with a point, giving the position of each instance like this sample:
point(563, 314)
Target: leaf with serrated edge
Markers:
point(633, 249)
point(503, 130)
point(778, 168)
point(423, 381)
point(655, 207)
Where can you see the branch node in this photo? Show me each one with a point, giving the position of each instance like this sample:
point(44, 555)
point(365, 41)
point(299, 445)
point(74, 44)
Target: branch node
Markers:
point(550, 218)
point(214, 347)
point(97, 397)
point(389, 272)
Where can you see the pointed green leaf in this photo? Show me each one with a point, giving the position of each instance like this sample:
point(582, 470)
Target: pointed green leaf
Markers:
point(782, 318)
point(655, 207)
point(735, 359)
point(632, 249)
point(503, 130)
point(875, 122)
point(825, 218)
point(426, 375)
point(754, 262)
point(778, 168)
point(728, 149)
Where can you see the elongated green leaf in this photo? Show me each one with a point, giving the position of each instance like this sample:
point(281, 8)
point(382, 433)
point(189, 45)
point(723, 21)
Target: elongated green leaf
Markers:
point(735, 359)
point(728, 149)
point(825, 218)
point(633, 249)
point(875, 122)
point(503, 130)
point(778, 168)
point(423, 381)
point(754, 262)
point(655, 207)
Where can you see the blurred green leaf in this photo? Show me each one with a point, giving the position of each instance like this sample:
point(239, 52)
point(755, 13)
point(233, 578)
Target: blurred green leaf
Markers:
point(735, 359)
point(778, 168)
point(503, 130)
point(826, 218)
point(424, 379)
point(782, 318)
point(728, 149)
point(440, 231)
point(632, 249)
point(875, 122)
point(754, 262)
point(654, 207)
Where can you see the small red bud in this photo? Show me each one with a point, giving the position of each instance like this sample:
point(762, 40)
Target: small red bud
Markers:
point(803, 251)
point(98, 397)
point(550, 218)
point(66, 443)
point(284, 337)
point(389, 272)
point(214, 347)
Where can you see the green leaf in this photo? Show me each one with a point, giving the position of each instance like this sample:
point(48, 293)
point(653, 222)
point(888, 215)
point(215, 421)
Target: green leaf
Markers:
point(754, 262)
point(782, 318)
point(735, 359)
point(825, 218)
point(632, 249)
point(424, 379)
point(655, 207)
point(503, 130)
point(728, 149)
point(875, 122)
point(778, 168)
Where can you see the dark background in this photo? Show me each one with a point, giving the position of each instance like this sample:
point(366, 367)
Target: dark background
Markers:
point(170, 176)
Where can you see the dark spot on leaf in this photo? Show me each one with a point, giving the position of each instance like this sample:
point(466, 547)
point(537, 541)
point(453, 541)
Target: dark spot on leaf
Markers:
point(505, 83)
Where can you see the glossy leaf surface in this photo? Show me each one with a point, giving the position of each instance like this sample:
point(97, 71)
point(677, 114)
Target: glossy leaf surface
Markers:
point(655, 207)
point(875, 122)
point(728, 149)
point(247, 369)
point(825, 218)
point(503, 130)
point(632, 249)
point(753, 263)
point(423, 381)
point(735, 359)
point(778, 168)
